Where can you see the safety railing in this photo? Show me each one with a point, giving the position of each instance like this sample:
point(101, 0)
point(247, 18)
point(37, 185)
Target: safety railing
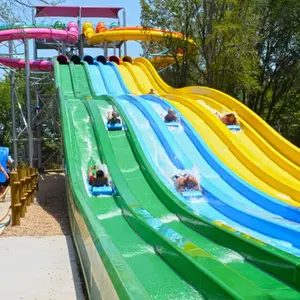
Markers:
point(24, 185)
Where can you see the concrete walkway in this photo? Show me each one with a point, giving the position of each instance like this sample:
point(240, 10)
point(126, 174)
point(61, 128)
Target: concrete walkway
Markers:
point(37, 258)
point(39, 268)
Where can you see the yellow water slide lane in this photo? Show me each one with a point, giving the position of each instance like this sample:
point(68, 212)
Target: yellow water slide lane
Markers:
point(266, 132)
point(134, 33)
point(218, 138)
point(257, 145)
point(257, 149)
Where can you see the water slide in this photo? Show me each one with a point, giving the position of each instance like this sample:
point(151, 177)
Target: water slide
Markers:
point(131, 244)
point(103, 79)
point(222, 194)
point(249, 155)
point(134, 33)
point(19, 31)
point(143, 210)
point(247, 152)
point(124, 253)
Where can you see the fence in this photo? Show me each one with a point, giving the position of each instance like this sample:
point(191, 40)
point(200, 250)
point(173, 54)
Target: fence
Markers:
point(24, 185)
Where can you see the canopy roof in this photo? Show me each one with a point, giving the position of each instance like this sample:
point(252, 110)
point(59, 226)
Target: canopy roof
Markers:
point(74, 11)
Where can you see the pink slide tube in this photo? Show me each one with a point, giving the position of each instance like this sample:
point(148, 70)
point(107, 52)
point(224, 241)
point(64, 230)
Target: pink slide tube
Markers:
point(70, 36)
point(40, 65)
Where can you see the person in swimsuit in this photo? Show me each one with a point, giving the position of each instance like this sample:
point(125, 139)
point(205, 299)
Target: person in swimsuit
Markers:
point(113, 118)
point(9, 168)
point(185, 182)
point(230, 119)
point(3, 185)
point(170, 116)
point(151, 92)
point(99, 180)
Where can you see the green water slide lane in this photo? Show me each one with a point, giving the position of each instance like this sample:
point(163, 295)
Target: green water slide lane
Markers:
point(211, 257)
point(136, 271)
point(284, 266)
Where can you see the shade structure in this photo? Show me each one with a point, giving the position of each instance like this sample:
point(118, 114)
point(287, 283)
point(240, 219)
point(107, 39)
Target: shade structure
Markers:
point(77, 11)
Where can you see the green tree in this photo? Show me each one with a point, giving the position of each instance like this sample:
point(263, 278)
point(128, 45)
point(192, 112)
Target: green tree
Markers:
point(174, 16)
point(223, 32)
point(248, 49)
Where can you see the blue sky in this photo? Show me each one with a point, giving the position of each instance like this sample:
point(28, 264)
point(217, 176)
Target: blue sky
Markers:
point(133, 12)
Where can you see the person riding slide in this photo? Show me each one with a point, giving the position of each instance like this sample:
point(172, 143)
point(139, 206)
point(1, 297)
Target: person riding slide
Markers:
point(170, 116)
point(230, 119)
point(99, 180)
point(113, 118)
point(185, 182)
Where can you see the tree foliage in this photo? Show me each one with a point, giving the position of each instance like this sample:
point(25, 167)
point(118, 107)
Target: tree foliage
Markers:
point(44, 127)
point(249, 49)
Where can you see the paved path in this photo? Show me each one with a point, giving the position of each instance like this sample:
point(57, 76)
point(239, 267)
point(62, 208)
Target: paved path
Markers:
point(39, 268)
point(37, 259)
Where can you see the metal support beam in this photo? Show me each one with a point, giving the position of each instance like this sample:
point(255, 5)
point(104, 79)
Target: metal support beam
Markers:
point(63, 49)
point(39, 147)
point(13, 108)
point(80, 48)
point(105, 50)
point(28, 102)
point(124, 24)
point(38, 144)
point(34, 43)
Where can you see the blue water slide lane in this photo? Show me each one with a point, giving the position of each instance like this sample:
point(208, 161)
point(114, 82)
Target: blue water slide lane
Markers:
point(98, 85)
point(235, 206)
point(120, 79)
point(253, 194)
point(213, 195)
point(261, 199)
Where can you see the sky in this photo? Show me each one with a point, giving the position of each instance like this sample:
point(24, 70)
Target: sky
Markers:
point(133, 12)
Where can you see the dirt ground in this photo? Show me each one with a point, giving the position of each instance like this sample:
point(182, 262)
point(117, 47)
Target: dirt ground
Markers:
point(48, 214)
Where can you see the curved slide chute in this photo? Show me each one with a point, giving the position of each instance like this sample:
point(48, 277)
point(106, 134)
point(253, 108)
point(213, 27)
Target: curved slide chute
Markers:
point(124, 259)
point(136, 33)
point(32, 32)
point(104, 79)
point(222, 193)
point(215, 262)
point(262, 174)
point(137, 114)
point(149, 217)
point(271, 136)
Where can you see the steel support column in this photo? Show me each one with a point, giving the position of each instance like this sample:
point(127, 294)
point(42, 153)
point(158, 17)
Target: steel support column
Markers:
point(13, 108)
point(28, 104)
point(124, 24)
point(80, 42)
point(33, 41)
